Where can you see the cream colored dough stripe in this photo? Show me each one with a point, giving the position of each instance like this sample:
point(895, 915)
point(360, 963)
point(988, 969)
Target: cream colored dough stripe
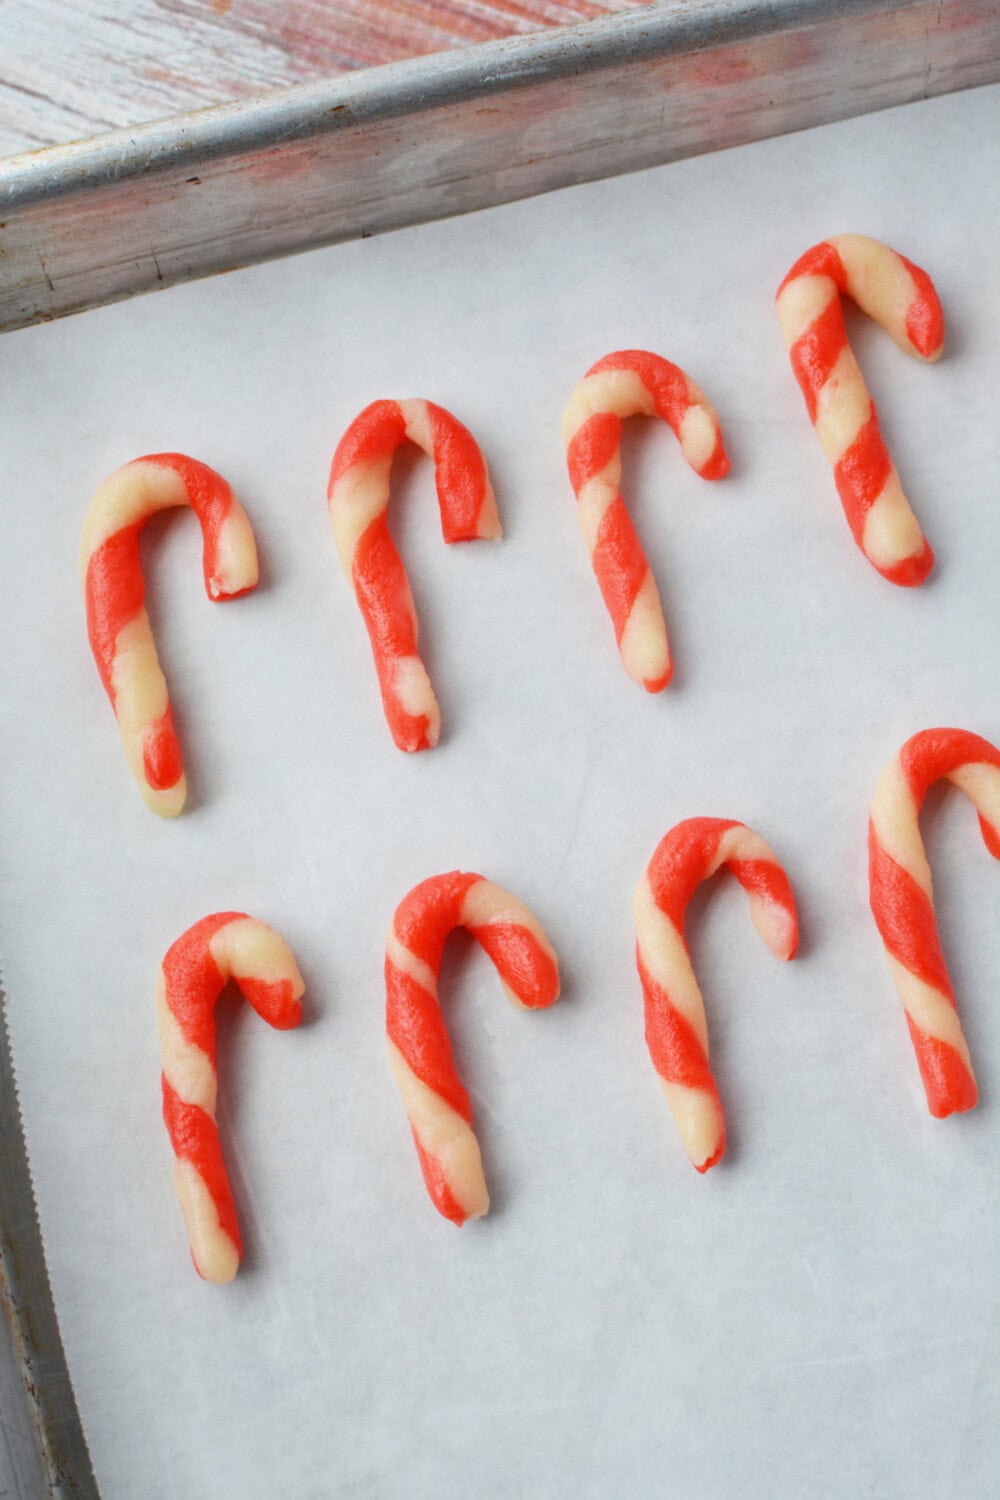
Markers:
point(444, 1136)
point(931, 1011)
point(665, 958)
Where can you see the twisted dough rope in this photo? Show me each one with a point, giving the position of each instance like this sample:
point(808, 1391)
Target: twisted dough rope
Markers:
point(117, 622)
point(195, 971)
point(358, 496)
point(676, 1030)
point(621, 385)
point(420, 1053)
point(901, 297)
point(902, 898)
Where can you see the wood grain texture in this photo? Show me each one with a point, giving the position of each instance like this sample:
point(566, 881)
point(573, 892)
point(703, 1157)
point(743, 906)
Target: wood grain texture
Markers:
point(71, 70)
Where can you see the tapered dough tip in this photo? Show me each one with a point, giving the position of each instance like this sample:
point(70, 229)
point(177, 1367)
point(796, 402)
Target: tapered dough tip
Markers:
point(457, 1213)
point(912, 571)
point(220, 1270)
point(414, 739)
point(711, 1161)
point(718, 464)
point(943, 1105)
point(470, 1218)
point(167, 802)
point(290, 1018)
point(657, 684)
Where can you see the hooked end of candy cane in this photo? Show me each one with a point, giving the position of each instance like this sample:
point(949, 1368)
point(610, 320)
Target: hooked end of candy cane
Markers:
point(701, 439)
point(773, 913)
point(991, 836)
point(488, 527)
point(925, 319)
point(717, 465)
point(231, 567)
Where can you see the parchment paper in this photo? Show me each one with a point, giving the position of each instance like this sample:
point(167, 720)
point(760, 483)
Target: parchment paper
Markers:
point(818, 1315)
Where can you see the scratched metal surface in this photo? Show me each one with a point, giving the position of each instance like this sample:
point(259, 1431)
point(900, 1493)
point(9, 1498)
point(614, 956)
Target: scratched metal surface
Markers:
point(42, 1447)
point(419, 140)
point(69, 70)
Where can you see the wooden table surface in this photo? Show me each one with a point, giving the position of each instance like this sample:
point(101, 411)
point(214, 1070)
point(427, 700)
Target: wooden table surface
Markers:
point(70, 69)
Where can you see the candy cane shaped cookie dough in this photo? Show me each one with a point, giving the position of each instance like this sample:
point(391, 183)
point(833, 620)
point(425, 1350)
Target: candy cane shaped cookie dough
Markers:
point(358, 497)
point(902, 898)
point(676, 1030)
point(437, 1104)
point(117, 622)
point(624, 385)
point(901, 297)
point(196, 969)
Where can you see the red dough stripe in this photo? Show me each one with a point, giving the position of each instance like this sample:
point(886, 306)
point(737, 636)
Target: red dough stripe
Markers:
point(948, 1084)
point(383, 593)
point(376, 433)
point(938, 752)
point(192, 980)
point(619, 562)
point(861, 474)
point(681, 862)
point(161, 753)
point(429, 913)
point(521, 961)
point(677, 1054)
point(592, 447)
point(114, 592)
point(905, 918)
point(414, 1024)
point(822, 260)
point(436, 1182)
point(461, 475)
point(194, 1137)
point(925, 319)
point(815, 353)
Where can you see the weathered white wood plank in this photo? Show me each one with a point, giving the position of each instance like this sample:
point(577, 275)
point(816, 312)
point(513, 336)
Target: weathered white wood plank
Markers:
point(70, 70)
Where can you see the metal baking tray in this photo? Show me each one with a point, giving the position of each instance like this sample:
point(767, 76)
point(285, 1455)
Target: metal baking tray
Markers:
point(135, 210)
point(180, 198)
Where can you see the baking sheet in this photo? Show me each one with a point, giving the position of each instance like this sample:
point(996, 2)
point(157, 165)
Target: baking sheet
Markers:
point(819, 1314)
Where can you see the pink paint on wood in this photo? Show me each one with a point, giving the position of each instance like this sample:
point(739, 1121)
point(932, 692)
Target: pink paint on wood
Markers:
point(69, 70)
